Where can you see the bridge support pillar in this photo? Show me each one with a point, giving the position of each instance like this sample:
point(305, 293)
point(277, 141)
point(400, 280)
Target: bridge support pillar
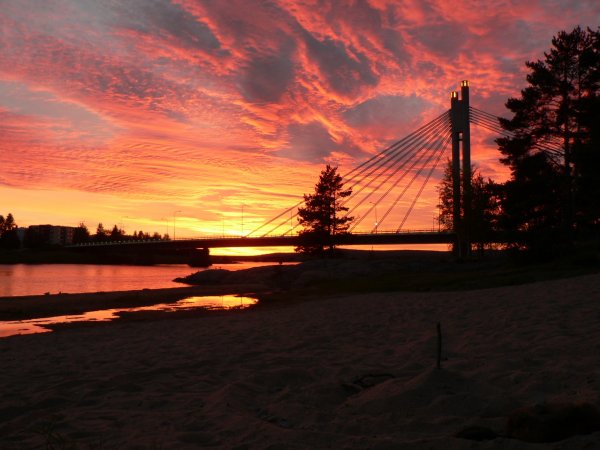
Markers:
point(461, 186)
point(199, 257)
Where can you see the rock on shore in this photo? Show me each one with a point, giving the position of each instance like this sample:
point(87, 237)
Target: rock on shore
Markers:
point(304, 274)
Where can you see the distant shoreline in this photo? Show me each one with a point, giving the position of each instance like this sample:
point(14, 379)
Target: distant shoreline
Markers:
point(66, 256)
point(361, 273)
point(259, 281)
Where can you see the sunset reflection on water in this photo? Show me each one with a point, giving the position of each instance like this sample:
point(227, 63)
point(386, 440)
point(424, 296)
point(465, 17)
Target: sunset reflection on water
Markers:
point(217, 302)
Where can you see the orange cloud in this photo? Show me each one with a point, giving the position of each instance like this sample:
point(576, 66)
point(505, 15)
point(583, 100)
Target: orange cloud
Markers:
point(155, 107)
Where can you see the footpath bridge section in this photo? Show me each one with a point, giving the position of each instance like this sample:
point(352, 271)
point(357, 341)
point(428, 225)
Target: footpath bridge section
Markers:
point(381, 238)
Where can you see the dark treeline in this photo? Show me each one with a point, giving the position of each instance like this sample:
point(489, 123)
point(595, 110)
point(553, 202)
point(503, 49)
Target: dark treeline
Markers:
point(39, 236)
point(8, 233)
point(552, 198)
point(82, 235)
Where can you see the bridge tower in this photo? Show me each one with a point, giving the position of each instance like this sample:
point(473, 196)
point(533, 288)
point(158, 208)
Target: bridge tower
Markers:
point(461, 192)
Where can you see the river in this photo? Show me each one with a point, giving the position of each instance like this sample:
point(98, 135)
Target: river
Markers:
point(38, 279)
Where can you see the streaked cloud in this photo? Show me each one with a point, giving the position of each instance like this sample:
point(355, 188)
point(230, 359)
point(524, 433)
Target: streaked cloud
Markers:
point(161, 105)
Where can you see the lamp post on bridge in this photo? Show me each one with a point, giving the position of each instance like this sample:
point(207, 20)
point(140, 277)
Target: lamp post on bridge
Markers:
point(123, 224)
point(175, 221)
point(242, 220)
point(166, 219)
point(376, 221)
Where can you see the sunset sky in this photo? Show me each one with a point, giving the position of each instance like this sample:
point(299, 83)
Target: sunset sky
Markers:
point(131, 112)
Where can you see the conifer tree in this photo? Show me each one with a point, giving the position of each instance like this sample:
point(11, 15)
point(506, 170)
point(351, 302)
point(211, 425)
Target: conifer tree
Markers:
point(485, 206)
point(553, 157)
point(323, 215)
point(8, 233)
point(81, 234)
point(116, 234)
point(101, 234)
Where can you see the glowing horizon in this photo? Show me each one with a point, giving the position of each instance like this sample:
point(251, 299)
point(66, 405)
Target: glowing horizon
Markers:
point(213, 117)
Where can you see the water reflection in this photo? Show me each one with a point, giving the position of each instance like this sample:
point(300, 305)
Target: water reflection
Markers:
point(33, 326)
point(37, 279)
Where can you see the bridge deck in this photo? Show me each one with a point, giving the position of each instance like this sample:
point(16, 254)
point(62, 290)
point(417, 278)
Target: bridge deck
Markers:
point(426, 237)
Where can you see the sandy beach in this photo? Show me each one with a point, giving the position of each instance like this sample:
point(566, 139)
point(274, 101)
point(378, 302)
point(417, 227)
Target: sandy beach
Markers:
point(351, 371)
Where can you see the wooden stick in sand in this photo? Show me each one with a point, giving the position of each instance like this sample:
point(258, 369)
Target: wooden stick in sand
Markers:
point(439, 345)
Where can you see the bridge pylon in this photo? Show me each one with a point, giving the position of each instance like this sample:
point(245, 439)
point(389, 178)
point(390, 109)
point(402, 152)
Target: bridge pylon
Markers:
point(461, 159)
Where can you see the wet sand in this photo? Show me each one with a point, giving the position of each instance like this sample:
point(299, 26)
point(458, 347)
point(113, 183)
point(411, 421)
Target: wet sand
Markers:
point(345, 371)
point(34, 306)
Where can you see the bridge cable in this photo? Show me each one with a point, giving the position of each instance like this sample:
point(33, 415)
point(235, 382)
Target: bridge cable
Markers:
point(435, 164)
point(540, 145)
point(436, 149)
point(427, 140)
point(377, 162)
point(497, 119)
point(394, 154)
point(426, 144)
point(412, 144)
point(275, 218)
point(399, 148)
point(492, 125)
point(391, 148)
point(490, 122)
point(415, 142)
point(552, 154)
point(443, 128)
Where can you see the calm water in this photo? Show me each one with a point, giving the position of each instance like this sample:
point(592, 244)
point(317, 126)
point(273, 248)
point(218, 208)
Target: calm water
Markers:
point(23, 279)
point(32, 326)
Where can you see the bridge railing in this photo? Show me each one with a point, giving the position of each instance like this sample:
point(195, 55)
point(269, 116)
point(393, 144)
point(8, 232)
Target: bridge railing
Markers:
point(221, 237)
point(361, 233)
point(129, 241)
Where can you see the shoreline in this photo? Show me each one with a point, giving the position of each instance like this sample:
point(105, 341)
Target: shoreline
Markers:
point(250, 282)
point(38, 306)
point(431, 271)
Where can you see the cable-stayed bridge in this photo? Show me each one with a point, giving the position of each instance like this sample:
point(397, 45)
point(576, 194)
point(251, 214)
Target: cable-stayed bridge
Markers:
point(387, 188)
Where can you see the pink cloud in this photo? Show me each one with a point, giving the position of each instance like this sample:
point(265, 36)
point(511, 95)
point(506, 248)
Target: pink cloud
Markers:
point(209, 105)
